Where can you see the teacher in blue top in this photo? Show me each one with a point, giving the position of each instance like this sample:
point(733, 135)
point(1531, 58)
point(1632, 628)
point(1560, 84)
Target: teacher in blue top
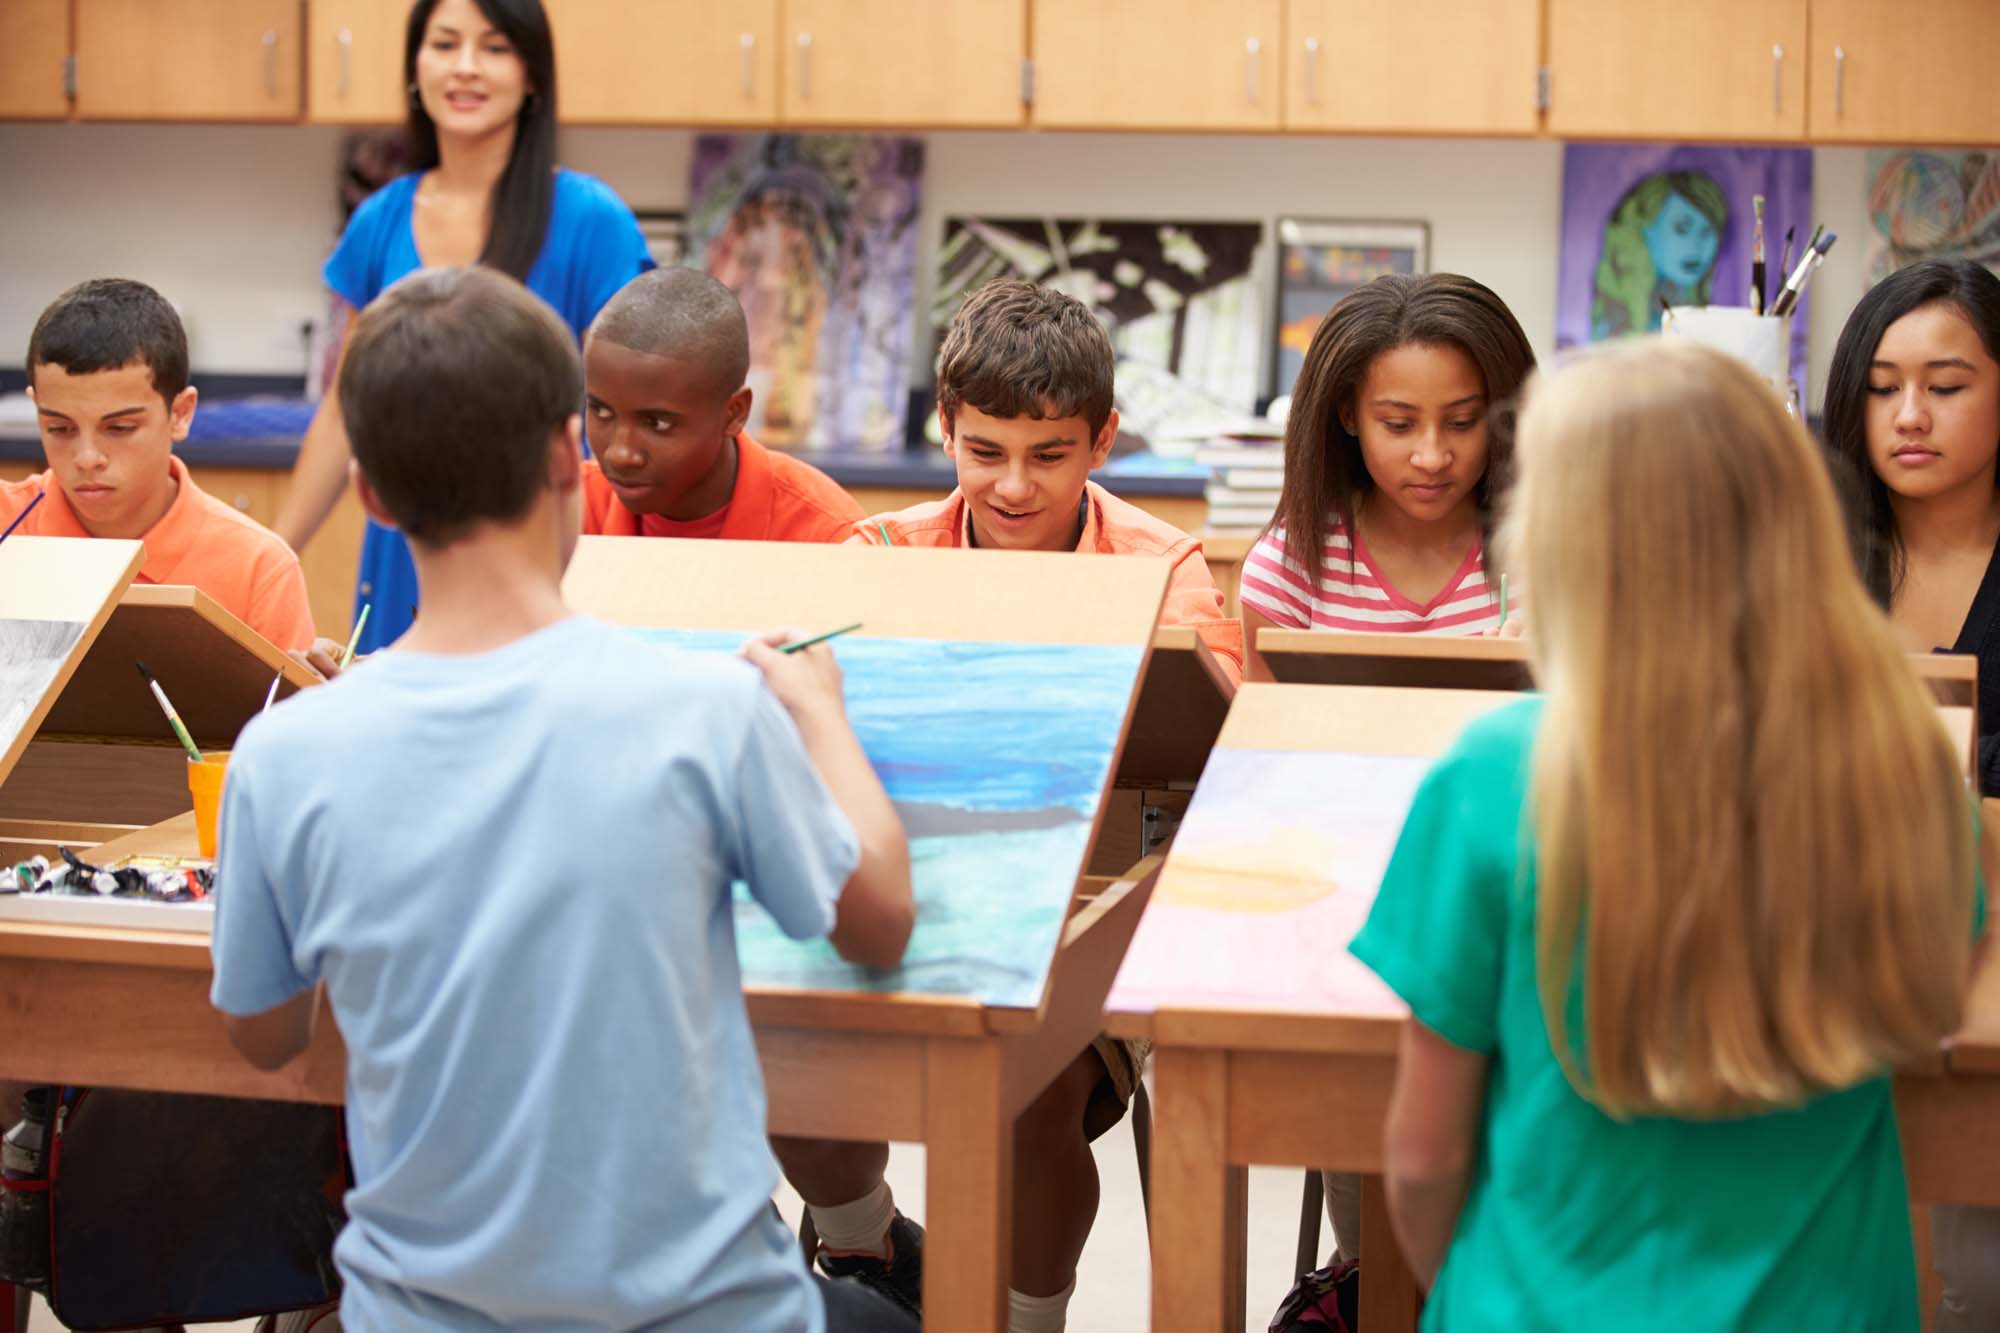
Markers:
point(486, 189)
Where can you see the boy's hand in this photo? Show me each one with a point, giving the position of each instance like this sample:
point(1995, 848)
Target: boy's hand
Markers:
point(323, 657)
point(807, 683)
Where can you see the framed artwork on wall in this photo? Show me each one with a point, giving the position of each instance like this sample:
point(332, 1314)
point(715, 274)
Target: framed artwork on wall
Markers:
point(1321, 260)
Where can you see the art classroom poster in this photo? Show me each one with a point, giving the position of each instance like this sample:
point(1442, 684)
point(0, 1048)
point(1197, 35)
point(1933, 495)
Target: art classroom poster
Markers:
point(1176, 296)
point(1642, 222)
point(817, 236)
point(1932, 204)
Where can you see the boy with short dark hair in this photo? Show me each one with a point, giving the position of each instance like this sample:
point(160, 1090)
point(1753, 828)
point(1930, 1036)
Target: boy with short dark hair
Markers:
point(1024, 382)
point(554, 1105)
point(108, 371)
point(1024, 388)
point(664, 367)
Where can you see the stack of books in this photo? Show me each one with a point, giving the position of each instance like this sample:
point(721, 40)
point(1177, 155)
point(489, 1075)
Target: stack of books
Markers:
point(1246, 476)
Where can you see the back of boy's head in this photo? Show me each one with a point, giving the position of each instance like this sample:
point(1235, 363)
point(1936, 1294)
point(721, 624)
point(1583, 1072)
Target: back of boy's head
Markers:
point(451, 387)
point(685, 314)
point(110, 323)
point(1018, 350)
point(1753, 842)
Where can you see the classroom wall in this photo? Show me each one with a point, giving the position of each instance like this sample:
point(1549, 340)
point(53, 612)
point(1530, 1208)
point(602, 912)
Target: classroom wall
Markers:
point(232, 222)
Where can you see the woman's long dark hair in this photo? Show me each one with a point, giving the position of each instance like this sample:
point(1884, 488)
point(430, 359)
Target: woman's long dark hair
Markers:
point(1974, 293)
point(1324, 471)
point(525, 192)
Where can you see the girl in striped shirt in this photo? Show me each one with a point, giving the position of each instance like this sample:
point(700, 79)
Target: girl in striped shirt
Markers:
point(1391, 466)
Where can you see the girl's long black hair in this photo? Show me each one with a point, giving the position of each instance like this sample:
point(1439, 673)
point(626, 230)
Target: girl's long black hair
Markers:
point(525, 192)
point(1973, 292)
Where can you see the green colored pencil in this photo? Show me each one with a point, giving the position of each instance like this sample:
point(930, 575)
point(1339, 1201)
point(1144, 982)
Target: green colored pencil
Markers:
point(803, 644)
point(347, 653)
point(1503, 601)
point(883, 528)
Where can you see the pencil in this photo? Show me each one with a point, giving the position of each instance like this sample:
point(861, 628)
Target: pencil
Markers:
point(271, 695)
point(173, 718)
point(1503, 603)
point(347, 653)
point(21, 517)
point(803, 644)
point(883, 528)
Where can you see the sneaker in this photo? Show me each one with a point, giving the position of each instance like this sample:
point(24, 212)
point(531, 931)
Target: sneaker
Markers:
point(900, 1277)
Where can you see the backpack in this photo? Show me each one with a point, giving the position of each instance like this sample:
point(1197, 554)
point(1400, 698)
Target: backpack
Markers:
point(1323, 1301)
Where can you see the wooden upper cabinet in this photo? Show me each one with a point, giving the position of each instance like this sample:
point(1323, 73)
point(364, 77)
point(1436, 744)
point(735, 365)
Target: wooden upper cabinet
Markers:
point(354, 61)
point(1692, 69)
point(1424, 66)
point(952, 63)
point(675, 62)
point(34, 43)
point(1158, 64)
point(188, 59)
point(1893, 74)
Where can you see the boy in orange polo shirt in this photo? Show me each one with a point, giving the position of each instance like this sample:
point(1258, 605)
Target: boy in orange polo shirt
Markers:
point(1024, 399)
point(664, 368)
point(108, 370)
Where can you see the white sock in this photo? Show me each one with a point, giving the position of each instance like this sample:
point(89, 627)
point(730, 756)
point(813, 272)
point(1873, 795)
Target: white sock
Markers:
point(860, 1227)
point(1038, 1314)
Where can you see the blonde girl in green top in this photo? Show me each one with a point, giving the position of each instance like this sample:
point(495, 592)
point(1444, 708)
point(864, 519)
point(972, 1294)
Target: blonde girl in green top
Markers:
point(1664, 929)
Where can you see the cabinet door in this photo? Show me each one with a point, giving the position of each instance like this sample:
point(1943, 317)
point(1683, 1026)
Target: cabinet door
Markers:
point(1158, 64)
point(34, 42)
point(673, 62)
point(1435, 66)
point(1693, 69)
point(903, 62)
point(188, 59)
point(354, 61)
point(1882, 75)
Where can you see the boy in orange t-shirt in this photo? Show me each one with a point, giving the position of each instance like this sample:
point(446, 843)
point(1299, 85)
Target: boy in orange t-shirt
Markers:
point(664, 368)
point(1024, 398)
point(108, 370)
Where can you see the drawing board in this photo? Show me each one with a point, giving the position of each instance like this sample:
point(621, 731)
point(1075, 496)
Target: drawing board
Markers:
point(55, 595)
point(991, 692)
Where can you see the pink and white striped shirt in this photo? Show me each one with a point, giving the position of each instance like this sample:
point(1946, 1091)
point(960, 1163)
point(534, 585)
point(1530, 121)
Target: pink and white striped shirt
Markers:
point(1353, 595)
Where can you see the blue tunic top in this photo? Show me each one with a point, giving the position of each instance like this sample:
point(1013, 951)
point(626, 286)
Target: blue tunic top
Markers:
point(593, 247)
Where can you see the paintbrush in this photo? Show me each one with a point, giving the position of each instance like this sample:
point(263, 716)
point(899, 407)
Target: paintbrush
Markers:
point(1815, 255)
point(347, 653)
point(271, 695)
point(173, 718)
point(22, 517)
point(1757, 256)
point(803, 644)
point(1785, 251)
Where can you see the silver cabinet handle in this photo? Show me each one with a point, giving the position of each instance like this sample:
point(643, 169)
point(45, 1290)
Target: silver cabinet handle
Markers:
point(748, 41)
point(344, 39)
point(1777, 80)
point(1839, 80)
point(1252, 57)
point(270, 63)
point(805, 66)
point(1312, 71)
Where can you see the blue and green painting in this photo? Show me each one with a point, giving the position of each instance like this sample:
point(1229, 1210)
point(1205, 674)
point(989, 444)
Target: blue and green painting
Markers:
point(996, 756)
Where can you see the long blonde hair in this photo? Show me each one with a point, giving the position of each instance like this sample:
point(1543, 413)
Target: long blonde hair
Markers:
point(1754, 836)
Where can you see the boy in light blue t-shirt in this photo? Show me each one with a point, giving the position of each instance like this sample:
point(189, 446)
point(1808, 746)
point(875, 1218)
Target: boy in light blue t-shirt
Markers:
point(513, 877)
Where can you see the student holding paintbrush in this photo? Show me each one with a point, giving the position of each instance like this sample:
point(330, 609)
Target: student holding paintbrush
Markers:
point(404, 837)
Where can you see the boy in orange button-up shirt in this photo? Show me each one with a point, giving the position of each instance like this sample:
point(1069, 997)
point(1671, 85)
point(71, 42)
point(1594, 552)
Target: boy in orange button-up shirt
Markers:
point(664, 368)
point(1024, 398)
point(108, 366)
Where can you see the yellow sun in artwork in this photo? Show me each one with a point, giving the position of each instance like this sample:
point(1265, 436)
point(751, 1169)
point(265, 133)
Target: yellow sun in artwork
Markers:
point(1274, 872)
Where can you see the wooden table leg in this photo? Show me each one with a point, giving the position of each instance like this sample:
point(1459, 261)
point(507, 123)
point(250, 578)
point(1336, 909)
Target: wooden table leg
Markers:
point(1388, 1288)
point(1236, 1244)
point(1193, 1194)
point(968, 1188)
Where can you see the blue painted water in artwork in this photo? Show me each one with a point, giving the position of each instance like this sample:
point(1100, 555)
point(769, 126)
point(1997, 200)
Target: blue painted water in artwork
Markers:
point(996, 756)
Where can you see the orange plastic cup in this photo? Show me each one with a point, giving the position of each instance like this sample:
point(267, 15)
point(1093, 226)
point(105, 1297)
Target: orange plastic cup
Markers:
point(205, 785)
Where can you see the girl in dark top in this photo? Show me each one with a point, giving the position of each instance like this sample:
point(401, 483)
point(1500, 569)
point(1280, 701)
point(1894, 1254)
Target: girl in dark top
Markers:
point(1913, 421)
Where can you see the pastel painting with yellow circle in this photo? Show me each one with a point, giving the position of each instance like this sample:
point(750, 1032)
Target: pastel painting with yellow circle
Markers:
point(1276, 872)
